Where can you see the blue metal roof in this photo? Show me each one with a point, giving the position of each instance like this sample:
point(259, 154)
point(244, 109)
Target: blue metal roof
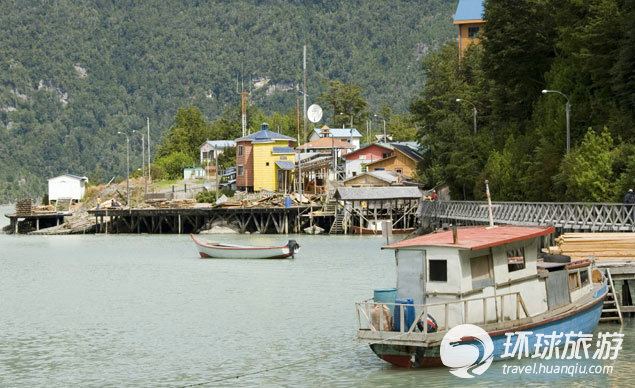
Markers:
point(339, 132)
point(285, 165)
point(469, 10)
point(283, 150)
point(265, 136)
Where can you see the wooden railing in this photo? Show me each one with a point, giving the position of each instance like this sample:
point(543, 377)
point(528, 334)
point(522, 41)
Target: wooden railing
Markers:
point(574, 215)
point(365, 321)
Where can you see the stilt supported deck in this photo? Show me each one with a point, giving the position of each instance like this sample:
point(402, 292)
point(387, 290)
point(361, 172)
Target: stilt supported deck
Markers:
point(33, 222)
point(177, 221)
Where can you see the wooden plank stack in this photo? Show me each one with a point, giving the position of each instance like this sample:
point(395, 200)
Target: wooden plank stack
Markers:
point(604, 246)
point(23, 207)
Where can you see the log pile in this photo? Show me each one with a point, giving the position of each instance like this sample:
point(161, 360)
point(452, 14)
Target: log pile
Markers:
point(23, 207)
point(604, 246)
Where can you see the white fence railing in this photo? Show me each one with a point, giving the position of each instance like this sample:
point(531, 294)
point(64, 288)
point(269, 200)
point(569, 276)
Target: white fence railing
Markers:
point(376, 316)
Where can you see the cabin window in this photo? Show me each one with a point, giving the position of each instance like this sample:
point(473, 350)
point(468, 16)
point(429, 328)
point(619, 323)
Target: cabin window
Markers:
point(385, 155)
point(515, 259)
point(574, 280)
point(364, 168)
point(584, 276)
point(481, 268)
point(283, 157)
point(399, 170)
point(240, 171)
point(438, 270)
point(240, 150)
point(379, 169)
point(354, 173)
point(362, 157)
point(267, 164)
point(472, 32)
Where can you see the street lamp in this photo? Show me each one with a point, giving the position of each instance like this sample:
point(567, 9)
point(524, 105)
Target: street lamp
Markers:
point(143, 158)
point(379, 117)
point(568, 112)
point(127, 166)
point(474, 111)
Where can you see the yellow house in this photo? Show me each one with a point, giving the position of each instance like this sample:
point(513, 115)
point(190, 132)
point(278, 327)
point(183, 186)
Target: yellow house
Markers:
point(469, 18)
point(271, 160)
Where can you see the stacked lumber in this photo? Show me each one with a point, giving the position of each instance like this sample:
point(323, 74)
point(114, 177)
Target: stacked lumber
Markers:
point(23, 207)
point(604, 246)
point(176, 204)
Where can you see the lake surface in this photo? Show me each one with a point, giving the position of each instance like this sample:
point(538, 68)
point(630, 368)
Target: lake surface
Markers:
point(140, 310)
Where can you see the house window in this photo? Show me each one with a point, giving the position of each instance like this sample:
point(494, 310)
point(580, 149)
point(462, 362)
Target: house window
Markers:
point(364, 168)
point(438, 270)
point(385, 155)
point(240, 150)
point(240, 171)
point(267, 164)
point(472, 32)
point(515, 259)
point(481, 268)
point(379, 169)
point(399, 170)
point(283, 157)
point(354, 173)
point(362, 157)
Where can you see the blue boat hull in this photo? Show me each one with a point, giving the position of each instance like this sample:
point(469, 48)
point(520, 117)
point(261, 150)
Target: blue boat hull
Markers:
point(583, 320)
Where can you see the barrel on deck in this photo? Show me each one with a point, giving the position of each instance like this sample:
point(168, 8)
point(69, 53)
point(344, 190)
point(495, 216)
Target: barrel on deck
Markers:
point(408, 314)
point(385, 295)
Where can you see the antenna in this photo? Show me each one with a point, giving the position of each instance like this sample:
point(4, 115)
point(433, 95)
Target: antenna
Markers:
point(489, 204)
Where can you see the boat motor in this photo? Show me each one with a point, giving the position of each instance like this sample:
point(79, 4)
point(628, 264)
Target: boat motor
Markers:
point(293, 247)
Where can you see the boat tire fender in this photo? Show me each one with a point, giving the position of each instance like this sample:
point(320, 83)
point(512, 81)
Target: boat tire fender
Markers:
point(549, 258)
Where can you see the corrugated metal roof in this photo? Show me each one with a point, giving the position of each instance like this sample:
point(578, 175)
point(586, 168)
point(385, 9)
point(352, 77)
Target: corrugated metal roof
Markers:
point(221, 144)
point(377, 193)
point(409, 151)
point(469, 10)
point(386, 176)
point(285, 165)
point(327, 143)
point(283, 150)
point(475, 238)
point(264, 136)
point(339, 132)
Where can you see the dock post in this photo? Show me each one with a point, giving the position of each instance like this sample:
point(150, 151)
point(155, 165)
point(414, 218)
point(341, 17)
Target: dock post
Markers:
point(286, 222)
point(627, 300)
point(179, 223)
point(37, 224)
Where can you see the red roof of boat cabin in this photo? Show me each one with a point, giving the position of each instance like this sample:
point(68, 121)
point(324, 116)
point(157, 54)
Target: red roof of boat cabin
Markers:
point(475, 238)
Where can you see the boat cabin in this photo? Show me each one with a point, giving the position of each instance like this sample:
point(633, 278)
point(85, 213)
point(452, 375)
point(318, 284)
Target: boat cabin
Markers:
point(483, 263)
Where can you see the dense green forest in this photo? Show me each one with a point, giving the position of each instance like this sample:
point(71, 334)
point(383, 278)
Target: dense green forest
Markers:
point(74, 73)
point(584, 49)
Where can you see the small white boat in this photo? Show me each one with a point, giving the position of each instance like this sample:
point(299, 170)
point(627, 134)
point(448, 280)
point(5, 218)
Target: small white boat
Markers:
point(313, 229)
point(234, 251)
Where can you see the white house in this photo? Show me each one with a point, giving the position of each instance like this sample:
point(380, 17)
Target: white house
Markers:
point(351, 135)
point(67, 186)
point(211, 147)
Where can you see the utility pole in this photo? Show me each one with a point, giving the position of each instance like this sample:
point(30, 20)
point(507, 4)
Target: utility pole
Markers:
point(149, 175)
point(216, 158)
point(303, 110)
point(127, 167)
point(299, 178)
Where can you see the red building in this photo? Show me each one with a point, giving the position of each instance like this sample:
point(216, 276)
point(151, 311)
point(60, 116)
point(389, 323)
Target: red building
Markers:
point(356, 161)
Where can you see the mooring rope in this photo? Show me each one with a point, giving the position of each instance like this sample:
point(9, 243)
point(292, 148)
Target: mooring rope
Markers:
point(219, 380)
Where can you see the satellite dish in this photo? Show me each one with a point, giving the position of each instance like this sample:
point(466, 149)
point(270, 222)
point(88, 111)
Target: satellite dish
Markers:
point(314, 113)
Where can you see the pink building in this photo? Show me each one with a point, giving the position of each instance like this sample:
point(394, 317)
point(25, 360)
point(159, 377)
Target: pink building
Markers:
point(356, 161)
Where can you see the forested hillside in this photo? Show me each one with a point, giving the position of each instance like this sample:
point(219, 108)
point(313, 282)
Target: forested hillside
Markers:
point(73, 73)
point(582, 49)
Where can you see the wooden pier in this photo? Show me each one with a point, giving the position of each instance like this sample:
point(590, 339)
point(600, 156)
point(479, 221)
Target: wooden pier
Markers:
point(22, 223)
point(192, 220)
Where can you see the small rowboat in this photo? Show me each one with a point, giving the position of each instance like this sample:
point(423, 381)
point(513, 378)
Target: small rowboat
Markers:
point(233, 251)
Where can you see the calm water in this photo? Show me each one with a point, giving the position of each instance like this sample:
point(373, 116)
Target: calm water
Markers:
point(134, 310)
